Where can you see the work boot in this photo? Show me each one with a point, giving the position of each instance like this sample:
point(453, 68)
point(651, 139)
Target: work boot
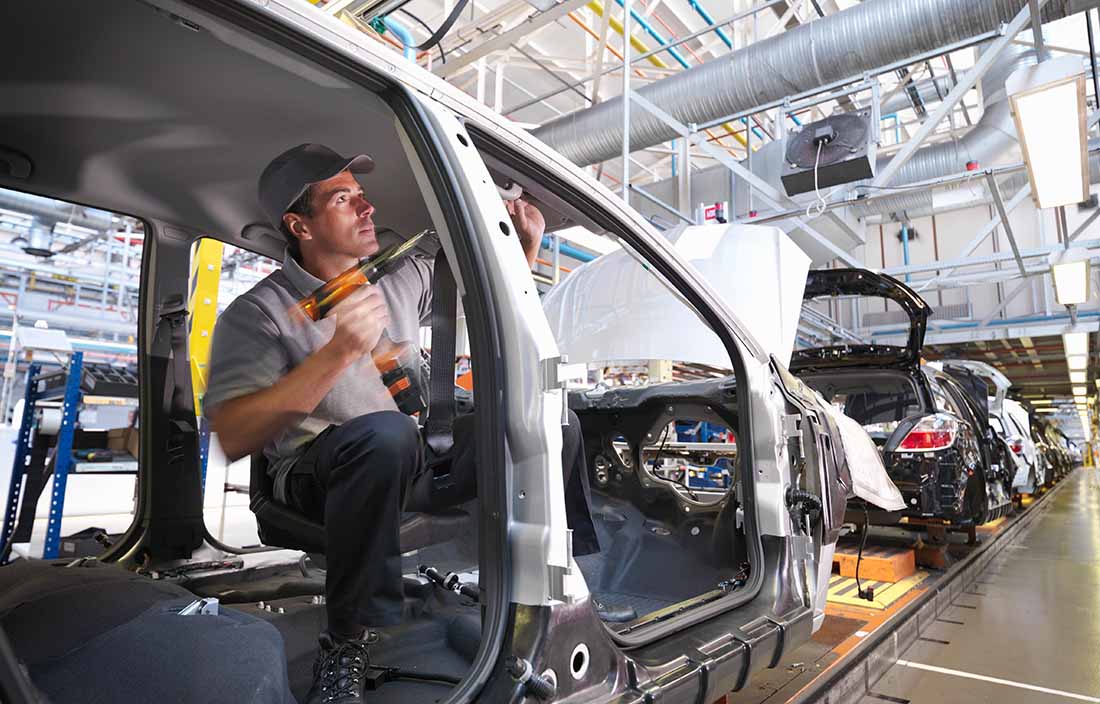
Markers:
point(614, 614)
point(339, 671)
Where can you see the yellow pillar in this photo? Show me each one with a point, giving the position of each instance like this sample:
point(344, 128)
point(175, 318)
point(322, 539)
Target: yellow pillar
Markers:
point(202, 310)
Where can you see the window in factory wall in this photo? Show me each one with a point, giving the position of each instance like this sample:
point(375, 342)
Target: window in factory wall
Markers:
point(69, 288)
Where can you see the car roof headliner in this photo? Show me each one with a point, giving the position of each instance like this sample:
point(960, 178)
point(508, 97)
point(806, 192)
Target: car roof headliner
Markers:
point(120, 107)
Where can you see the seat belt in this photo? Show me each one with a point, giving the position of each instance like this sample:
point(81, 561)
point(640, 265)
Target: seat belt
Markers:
point(438, 426)
point(178, 403)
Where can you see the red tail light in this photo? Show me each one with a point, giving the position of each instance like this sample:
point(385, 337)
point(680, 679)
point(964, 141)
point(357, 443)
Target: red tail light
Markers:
point(930, 434)
point(1017, 446)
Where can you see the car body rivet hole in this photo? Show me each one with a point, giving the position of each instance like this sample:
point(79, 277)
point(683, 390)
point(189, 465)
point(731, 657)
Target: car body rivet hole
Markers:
point(578, 661)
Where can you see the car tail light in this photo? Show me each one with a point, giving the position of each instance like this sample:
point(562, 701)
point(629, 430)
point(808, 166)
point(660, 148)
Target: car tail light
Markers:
point(1017, 446)
point(931, 433)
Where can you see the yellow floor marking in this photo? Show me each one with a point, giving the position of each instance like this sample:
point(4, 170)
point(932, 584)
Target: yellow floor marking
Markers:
point(843, 590)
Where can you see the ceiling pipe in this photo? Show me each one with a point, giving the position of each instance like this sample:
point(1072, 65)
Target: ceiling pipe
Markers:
point(53, 211)
point(789, 63)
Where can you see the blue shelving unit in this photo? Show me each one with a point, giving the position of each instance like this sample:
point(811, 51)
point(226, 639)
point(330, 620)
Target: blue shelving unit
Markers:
point(64, 454)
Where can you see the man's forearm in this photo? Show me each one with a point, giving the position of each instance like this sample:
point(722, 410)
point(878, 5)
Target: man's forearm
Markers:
point(245, 424)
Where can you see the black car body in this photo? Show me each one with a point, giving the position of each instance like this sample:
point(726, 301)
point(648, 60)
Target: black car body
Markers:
point(934, 438)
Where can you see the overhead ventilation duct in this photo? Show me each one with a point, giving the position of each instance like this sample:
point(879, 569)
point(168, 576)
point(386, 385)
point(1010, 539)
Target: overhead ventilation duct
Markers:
point(39, 240)
point(930, 90)
point(794, 61)
point(990, 142)
point(50, 210)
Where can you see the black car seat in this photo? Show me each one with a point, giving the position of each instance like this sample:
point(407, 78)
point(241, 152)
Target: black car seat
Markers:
point(281, 526)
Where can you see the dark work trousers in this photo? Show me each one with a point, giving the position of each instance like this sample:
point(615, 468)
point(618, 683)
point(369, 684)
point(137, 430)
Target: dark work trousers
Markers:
point(359, 476)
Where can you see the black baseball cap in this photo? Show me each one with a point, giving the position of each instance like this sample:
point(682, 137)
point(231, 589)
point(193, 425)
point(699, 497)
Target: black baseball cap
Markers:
point(288, 175)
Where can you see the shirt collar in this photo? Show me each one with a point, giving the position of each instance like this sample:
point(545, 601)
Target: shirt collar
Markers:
point(305, 282)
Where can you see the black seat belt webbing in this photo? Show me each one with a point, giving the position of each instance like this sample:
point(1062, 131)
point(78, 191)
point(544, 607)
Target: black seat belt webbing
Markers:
point(170, 343)
point(441, 404)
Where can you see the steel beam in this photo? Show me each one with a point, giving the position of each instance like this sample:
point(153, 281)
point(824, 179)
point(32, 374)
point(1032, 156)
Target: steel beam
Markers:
point(768, 192)
point(995, 191)
point(505, 39)
point(1083, 226)
point(989, 227)
point(1020, 288)
point(1037, 27)
point(984, 259)
point(641, 57)
point(626, 99)
point(955, 96)
point(660, 203)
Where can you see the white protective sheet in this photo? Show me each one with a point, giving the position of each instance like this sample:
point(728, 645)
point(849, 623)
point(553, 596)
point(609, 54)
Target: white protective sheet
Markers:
point(613, 309)
point(870, 481)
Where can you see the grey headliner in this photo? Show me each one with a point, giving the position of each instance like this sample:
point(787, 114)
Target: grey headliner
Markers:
point(121, 108)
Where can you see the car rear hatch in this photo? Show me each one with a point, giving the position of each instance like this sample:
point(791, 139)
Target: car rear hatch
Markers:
point(901, 304)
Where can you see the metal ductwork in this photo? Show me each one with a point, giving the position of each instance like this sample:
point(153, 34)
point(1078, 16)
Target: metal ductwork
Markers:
point(48, 210)
point(987, 143)
point(798, 60)
point(930, 90)
point(990, 142)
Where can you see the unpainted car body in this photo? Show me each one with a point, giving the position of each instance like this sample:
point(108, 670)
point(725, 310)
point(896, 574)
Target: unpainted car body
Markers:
point(168, 111)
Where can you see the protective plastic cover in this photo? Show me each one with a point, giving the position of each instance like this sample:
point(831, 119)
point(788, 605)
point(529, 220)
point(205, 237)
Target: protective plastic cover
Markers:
point(614, 309)
point(870, 481)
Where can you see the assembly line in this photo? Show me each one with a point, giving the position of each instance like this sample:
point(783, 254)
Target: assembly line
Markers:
point(368, 351)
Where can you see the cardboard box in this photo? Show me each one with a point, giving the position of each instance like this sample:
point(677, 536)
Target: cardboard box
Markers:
point(124, 440)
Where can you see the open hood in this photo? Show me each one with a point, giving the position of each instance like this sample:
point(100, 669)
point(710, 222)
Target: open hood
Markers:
point(989, 374)
point(865, 284)
point(614, 308)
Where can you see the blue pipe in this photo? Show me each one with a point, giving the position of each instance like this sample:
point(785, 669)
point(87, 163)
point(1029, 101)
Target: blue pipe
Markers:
point(1007, 321)
point(710, 20)
point(905, 246)
point(657, 36)
point(403, 33)
point(568, 250)
point(672, 144)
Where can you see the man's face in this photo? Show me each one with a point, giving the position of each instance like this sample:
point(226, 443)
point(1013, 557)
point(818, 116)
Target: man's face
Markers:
point(341, 223)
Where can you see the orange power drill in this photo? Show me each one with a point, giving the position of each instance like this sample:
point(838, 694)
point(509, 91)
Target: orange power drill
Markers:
point(398, 363)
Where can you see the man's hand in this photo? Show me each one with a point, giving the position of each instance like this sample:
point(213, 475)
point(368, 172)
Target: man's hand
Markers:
point(529, 224)
point(360, 320)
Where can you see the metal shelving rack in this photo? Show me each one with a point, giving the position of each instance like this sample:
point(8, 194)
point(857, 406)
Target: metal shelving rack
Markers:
point(36, 392)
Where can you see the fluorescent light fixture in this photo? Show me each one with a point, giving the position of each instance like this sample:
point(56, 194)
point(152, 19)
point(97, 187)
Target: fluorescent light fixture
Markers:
point(1048, 105)
point(1077, 362)
point(1046, 410)
point(1076, 343)
point(1047, 401)
point(1081, 391)
point(1070, 272)
point(1078, 377)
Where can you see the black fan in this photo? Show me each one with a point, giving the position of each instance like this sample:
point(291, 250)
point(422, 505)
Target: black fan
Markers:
point(844, 142)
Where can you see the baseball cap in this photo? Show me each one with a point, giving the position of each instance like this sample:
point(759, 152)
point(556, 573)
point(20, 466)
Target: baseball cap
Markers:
point(288, 175)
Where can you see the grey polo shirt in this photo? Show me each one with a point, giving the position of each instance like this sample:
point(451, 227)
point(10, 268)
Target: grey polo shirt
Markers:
point(257, 342)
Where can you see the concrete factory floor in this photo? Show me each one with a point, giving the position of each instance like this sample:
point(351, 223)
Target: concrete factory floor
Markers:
point(1027, 630)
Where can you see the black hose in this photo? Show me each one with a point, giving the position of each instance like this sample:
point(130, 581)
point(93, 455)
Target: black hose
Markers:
point(1092, 58)
point(859, 558)
point(235, 550)
point(429, 30)
point(416, 676)
point(438, 35)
